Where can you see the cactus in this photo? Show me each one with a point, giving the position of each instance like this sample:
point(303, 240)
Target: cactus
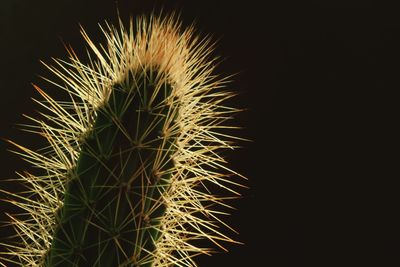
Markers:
point(131, 155)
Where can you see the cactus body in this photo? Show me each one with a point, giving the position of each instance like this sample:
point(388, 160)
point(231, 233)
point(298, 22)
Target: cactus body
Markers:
point(130, 156)
point(113, 202)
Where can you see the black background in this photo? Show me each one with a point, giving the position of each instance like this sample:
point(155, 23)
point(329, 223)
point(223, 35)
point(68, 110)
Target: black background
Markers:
point(319, 82)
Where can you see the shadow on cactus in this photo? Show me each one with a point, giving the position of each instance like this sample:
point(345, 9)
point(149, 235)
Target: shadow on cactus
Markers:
point(131, 155)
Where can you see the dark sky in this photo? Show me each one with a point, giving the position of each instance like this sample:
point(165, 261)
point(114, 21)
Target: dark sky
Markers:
point(318, 82)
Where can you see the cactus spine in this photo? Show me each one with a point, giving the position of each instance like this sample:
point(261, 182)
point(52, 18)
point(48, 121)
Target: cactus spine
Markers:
point(130, 156)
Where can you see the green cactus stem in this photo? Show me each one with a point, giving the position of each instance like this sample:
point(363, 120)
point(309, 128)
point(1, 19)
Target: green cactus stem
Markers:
point(114, 200)
point(131, 156)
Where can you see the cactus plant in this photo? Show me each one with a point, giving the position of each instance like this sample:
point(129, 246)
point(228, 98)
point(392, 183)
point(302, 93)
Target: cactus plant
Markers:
point(130, 156)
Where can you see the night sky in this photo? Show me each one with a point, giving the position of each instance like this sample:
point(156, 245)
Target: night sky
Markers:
point(318, 83)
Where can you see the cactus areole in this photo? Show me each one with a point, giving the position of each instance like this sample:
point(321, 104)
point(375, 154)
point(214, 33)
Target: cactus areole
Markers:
point(131, 155)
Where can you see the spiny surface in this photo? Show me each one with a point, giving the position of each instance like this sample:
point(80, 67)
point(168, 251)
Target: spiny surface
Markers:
point(112, 206)
point(155, 172)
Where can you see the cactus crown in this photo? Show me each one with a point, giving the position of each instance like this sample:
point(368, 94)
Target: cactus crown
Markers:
point(131, 155)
